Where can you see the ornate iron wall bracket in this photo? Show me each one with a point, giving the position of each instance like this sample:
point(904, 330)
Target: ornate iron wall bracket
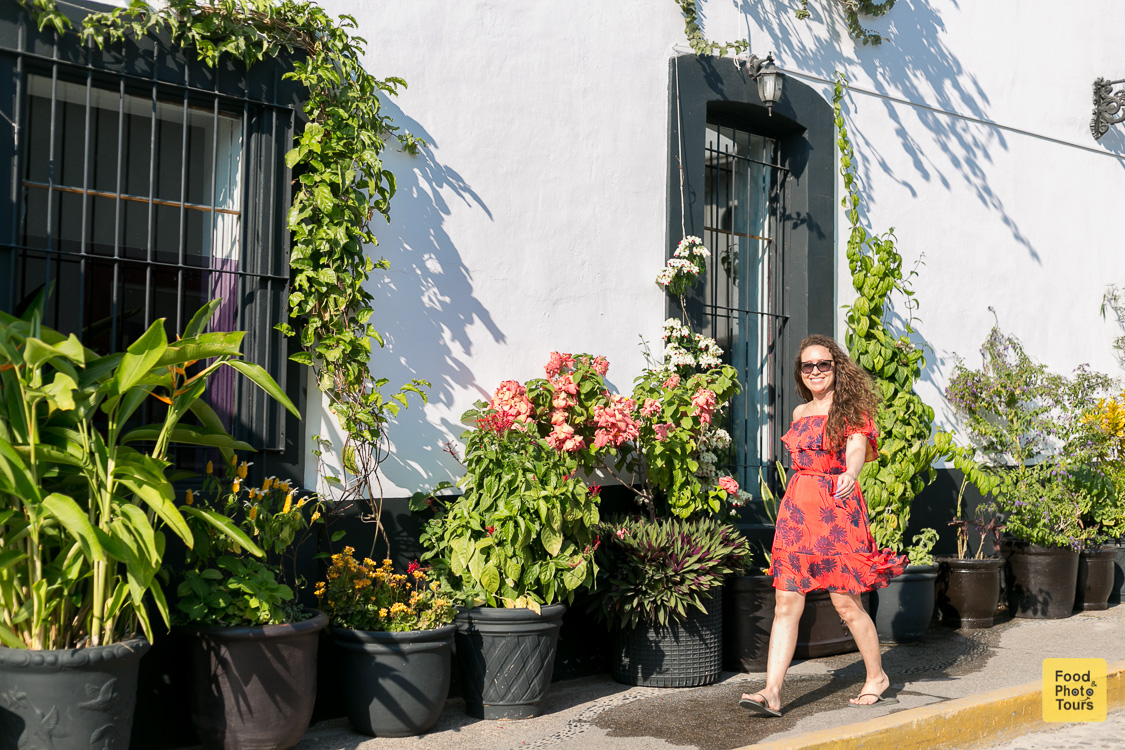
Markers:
point(1109, 106)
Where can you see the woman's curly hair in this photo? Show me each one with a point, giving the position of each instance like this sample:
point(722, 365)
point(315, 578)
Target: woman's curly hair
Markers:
point(853, 400)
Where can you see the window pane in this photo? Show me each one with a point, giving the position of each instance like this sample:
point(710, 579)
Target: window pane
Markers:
point(740, 311)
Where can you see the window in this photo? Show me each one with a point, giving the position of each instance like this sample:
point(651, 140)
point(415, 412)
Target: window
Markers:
point(743, 188)
point(143, 186)
point(758, 188)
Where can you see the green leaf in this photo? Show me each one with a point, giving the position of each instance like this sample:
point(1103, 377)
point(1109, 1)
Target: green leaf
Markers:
point(74, 520)
point(9, 639)
point(160, 500)
point(262, 379)
point(141, 356)
point(224, 526)
point(199, 321)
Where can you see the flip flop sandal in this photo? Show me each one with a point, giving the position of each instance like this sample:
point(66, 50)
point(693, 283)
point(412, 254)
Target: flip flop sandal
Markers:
point(878, 699)
point(760, 708)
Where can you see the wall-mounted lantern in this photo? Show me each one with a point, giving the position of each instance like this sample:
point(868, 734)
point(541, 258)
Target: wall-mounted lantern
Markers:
point(1109, 106)
point(768, 78)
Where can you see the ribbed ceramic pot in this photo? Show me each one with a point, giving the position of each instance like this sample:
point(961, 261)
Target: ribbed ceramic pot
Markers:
point(253, 688)
point(1095, 578)
point(904, 607)
point(1040, 580)
point(968, 591)
point(394, 684)
point(69, 699)
point(682, 653)
point(507, 657)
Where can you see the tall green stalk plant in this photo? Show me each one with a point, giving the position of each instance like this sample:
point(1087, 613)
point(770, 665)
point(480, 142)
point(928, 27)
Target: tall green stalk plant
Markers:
point(82, 504)
point(906, 451)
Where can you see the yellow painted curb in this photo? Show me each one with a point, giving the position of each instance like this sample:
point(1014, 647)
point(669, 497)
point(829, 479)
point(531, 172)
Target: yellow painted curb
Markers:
point(975, 721)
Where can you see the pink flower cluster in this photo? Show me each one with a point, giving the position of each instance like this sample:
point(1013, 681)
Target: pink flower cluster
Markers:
point(729, 484)
point(615, 422)
point(562, 438)
point(661, 431)
point(704, 402)
point(557, 362)
point(511, 404)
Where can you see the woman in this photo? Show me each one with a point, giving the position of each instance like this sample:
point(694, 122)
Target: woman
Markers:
point(822, 540)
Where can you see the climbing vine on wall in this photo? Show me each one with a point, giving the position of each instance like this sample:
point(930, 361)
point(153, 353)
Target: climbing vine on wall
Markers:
point(906, 451)
point(340, 186)
point(853, 9)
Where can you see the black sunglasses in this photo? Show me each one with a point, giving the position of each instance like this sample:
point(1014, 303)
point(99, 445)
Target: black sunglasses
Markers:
point(824, 365)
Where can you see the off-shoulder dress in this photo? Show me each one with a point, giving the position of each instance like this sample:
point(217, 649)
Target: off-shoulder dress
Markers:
point(820, 541)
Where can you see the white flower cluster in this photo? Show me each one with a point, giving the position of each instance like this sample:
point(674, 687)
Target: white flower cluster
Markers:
point(677, 268)
point(673, 328)
point(684, 348)
point(716, 439)
point(691, 246)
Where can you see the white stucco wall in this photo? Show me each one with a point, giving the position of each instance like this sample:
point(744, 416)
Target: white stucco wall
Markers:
point(535, 220)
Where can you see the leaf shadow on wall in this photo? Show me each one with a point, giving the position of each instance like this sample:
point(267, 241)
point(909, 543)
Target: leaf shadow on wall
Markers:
point(425, 308)
point(924, 71)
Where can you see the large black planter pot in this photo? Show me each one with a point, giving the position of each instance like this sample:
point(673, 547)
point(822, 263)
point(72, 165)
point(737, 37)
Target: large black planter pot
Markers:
point(254, 688)
point(71, 698)
point(394, 684)
point(747, 619)
point(748, 603)
point(1040, 580)
point(1095, 578)
point(968, 591)
point(820, 631)
point(902, 610)
point(1115, 591)
point(507, 657)
point(685, 653)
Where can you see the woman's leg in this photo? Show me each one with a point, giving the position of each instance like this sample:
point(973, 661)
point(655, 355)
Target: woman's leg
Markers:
point(851, 610)
point(783, 639)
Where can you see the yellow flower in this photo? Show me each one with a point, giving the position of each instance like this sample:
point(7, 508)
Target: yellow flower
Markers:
point(253, 512)
point(234, 459)
point(210, 468)
point(315, 515)
point(242, 470)
point(383, 612)
point(190, 498)
point(236, 486)
point(288, 504)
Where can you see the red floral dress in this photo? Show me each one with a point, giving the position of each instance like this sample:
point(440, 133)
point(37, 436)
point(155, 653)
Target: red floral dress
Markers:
point(820, 541)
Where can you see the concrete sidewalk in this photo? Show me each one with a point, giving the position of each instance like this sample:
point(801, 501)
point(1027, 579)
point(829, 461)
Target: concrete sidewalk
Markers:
point(970, 688)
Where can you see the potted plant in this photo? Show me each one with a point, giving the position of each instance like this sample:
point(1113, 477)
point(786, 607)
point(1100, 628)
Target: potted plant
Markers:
point(519, 541)
point(393, 636)
point(1019, 418)
point(908, 444)
point(666, 586)
point(85, 501)
point(253, 645)
point(1101, 443)
point(668, 450)
point(968, 584)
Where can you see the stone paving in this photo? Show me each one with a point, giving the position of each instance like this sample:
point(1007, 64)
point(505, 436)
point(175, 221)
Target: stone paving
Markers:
point(595, 713)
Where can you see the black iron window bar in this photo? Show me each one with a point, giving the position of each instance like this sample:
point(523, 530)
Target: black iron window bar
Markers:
point(755, 426)
point(117, 236)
